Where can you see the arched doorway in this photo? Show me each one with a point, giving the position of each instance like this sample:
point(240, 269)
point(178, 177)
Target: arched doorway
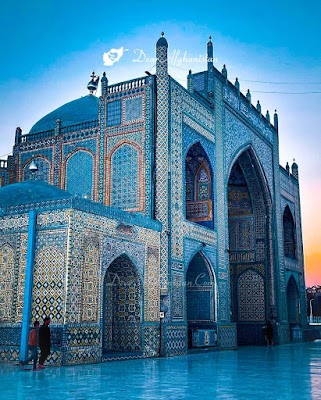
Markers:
point(200, 297)
point(122, 307)
point(293, 302)
point(249, 216)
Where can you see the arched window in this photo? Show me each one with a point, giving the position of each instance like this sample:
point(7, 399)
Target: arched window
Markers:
point(79, 174)
point(198, 186)
point(288, 233)
point(124, 187)
point(41, 174)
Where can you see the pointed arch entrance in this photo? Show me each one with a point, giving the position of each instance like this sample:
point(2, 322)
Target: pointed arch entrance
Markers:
point(200, 296)
point(198, 190)
point(293, 302)
point(250, 249)
point(122, 307)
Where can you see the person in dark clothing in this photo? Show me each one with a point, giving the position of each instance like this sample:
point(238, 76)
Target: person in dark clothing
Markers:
point(268, 330)
point(44, 341)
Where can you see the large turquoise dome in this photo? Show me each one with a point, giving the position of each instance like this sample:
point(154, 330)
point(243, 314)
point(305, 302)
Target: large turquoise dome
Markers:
point(80, 110)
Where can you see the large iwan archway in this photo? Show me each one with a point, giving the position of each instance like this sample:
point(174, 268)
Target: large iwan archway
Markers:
point(122, 307)
point(250, 252)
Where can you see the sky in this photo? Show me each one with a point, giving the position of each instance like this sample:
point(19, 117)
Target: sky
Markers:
point(49, 49)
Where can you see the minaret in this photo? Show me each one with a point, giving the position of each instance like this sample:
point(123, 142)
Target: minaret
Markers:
point(210, 75)
point(104, 84)
point(295, 170)
point(276, 121)
point(162, 158)
point(190, 81)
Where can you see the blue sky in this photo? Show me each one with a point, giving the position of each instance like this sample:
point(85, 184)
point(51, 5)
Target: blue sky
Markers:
point(51, 47)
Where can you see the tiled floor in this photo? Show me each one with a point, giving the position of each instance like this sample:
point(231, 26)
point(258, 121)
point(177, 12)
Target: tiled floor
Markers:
point(284, 372)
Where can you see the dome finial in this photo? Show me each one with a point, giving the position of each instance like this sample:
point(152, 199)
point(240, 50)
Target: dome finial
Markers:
point(162, 33)
point(93, 84)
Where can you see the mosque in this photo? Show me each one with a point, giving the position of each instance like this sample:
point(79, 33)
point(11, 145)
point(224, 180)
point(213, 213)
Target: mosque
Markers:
point(153, 220)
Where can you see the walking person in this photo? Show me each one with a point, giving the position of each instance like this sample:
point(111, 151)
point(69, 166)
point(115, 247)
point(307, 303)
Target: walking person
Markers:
point(44, 341)
point(33, 347)
point(268, 333)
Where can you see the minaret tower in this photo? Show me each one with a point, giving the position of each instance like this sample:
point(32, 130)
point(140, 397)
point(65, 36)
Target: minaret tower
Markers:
point(162, 158)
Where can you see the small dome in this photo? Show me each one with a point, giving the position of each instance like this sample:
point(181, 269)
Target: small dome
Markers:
point(29, 192)
point(162, 42)
point(80, 110)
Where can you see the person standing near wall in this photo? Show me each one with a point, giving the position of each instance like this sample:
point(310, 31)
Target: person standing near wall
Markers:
point(44, 341)
point(33, 347)
point(268, 330)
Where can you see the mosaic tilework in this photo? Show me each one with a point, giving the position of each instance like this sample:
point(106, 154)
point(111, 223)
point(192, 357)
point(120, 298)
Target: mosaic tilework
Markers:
point(241, 105)
point(6, 283)
point(178, 294)
point(90, 283)
point(151, 340)
point(49, 276)
point(83, 335)
point(162, 158)
point(53, 218)
point(199, 81)
point(227, 336)
point(236, 136)
point(21, 275)
point(83, 355)
point(42, 173)
point(125, 178)
point(133, 109)
point(198, 122)
point(114, 113)
point(151, 285)
point(176, 340)
point(200, 290)
point(79, 174)
point(86, 244)
point(251, 302)
point(122, 307)
point(48, 291)
point(101, 144)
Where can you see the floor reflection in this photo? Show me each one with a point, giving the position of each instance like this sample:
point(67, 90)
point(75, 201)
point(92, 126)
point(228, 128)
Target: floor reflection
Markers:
point(284, 372)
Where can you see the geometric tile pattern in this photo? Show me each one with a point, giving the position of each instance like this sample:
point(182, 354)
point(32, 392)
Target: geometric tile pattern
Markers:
point(251, 302)
point(42, 173)
point(122, 307)
point(162, 158)
point(7, 282)
point(133, 109)
point(178, 294)
point(227, 336)
point(176, 340)
point(79, 174)
point(49, 285)
point(90, 284)
point(114, 113)
point(151, 285)
point(125, 178)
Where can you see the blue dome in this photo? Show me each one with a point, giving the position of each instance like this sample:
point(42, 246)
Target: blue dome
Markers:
point(29, 192)
point(81, 110)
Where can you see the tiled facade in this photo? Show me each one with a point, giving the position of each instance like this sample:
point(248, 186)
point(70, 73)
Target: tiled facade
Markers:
point(175, 222)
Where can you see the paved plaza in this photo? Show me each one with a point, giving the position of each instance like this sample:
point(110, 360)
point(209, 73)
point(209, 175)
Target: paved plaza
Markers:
point(291, 371)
